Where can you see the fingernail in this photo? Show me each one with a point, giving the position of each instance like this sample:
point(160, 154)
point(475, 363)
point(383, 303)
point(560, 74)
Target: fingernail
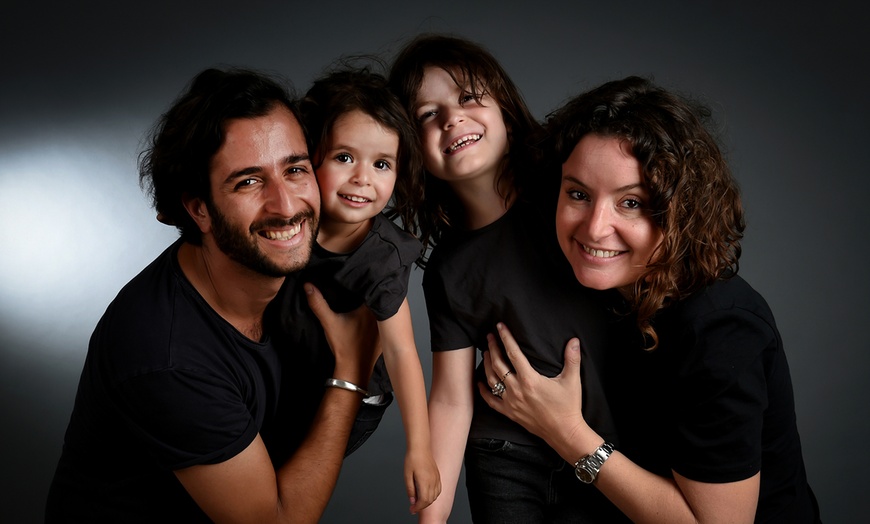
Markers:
point(309, 289)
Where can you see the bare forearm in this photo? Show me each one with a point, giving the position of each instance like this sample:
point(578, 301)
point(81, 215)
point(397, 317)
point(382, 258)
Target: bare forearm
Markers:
point(307, 480)
point(450, 424)
point(649, 498)
point(406, 375)
point(451, 405)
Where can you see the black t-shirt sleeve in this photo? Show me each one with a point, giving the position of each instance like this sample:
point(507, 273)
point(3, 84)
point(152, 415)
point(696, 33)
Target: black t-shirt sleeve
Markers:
point(380, 268)
point(445, 331)
point(721, 394)
point(186, 417)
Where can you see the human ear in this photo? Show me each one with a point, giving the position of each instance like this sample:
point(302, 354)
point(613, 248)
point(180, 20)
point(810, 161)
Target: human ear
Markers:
point(198, 211)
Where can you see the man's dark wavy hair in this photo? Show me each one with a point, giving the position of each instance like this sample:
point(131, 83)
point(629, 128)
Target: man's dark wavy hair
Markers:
point(184, 140)
point(694, 199)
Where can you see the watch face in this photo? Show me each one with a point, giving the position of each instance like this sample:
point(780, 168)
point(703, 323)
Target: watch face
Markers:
point(583, 474)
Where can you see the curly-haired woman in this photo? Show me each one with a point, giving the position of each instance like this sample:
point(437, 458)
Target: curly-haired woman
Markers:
point(702, 396)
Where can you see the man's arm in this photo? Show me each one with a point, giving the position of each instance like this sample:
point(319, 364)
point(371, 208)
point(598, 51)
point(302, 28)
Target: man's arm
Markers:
point(246, 488)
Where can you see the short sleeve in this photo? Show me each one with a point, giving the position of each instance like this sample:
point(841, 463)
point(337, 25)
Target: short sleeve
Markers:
point(186, 417)
point(380, 268)
point(445, 330)
point(722, 395)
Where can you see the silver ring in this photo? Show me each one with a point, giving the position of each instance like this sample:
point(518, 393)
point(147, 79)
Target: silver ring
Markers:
point(498, 389)
point(506, 375)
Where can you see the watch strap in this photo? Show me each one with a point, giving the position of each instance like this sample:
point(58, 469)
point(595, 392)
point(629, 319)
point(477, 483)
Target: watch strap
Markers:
point(591, 463)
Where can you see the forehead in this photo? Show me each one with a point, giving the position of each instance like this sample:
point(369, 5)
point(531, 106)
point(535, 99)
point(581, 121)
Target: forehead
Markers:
point(603, 159)
point(276, 132)
point(259, 141)
point(438, 80)
point(362, 127)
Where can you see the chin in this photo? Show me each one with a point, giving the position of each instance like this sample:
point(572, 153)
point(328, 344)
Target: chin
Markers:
point(594, 280)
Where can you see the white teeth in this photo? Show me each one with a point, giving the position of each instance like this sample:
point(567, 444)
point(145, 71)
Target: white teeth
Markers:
point(599, 253)
point(462, 142)
point(283, 235)
point(353, 198)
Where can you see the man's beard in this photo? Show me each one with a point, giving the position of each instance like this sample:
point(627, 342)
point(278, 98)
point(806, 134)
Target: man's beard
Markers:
point(241, 245)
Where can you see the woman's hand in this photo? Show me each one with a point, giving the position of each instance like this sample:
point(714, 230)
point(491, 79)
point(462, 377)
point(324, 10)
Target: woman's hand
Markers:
point(548, 407)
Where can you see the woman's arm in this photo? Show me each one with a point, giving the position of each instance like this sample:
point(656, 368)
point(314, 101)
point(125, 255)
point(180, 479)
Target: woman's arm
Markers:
point(422, 479)
point(551, 409)
point(451, 403)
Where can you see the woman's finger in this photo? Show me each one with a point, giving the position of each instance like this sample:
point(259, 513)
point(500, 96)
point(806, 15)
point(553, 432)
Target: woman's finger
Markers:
point(515, 358)
point(494, 361)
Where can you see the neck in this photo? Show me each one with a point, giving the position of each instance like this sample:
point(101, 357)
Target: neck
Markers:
point(236, 293)
point(339, 237)
point(482, 201)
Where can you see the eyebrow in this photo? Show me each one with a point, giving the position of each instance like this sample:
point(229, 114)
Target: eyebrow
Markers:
point(251, 170)
point(618, 189)
point(343, 147)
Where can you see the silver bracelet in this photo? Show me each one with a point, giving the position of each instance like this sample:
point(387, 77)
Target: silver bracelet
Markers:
point(343, 384)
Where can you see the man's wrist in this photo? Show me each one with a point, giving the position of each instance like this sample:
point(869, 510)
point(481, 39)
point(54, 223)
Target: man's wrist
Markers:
point(344, 384)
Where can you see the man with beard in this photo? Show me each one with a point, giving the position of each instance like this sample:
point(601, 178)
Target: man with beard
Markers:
point(185, 407)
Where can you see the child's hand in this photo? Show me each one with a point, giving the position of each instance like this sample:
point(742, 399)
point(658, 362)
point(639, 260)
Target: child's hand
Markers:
point(422, 479)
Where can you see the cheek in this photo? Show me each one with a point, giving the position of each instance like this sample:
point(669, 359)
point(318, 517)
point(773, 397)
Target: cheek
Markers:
point(565, 228)
point(387, 185)
point(567, 221)
point(430, 138)
point(647, 238)
point(327, 179)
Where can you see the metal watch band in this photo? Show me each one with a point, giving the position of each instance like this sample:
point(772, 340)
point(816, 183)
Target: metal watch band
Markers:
point(587, 468)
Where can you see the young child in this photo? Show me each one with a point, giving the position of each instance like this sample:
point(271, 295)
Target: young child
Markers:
point(364, 153)
point(496, 258)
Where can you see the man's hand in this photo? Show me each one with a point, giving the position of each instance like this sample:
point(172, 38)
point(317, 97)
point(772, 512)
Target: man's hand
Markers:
point(353, 338)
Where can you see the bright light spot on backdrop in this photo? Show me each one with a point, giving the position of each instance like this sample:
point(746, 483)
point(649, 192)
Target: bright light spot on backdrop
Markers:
point(75, 229)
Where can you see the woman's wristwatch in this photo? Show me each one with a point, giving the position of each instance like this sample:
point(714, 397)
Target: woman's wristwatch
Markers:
point(587, 467)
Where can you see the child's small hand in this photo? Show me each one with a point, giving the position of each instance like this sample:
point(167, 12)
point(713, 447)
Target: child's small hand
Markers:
point(422, 479)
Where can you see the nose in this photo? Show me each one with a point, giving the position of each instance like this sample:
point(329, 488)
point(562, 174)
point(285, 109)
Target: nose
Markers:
point(599, 223)
point(360, 176)
point(281, 199)
point(452, 116)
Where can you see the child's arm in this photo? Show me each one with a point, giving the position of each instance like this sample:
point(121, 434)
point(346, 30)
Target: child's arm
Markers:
point(451, 403)
point(422, 479)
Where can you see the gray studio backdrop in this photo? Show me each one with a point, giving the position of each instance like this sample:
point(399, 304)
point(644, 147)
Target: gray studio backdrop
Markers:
point(80, 85)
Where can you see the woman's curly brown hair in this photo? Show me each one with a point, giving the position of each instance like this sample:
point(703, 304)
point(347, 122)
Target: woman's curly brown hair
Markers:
point(694, 199)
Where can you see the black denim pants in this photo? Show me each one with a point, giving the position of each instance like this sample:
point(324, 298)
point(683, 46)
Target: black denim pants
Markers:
point(516, 483)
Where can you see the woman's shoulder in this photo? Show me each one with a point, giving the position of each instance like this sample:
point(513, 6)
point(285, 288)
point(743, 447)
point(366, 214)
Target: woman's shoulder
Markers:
point(725, 294)
point(728, 309)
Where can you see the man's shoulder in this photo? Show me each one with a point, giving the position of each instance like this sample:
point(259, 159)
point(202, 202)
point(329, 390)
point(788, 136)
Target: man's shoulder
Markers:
point(153, 312)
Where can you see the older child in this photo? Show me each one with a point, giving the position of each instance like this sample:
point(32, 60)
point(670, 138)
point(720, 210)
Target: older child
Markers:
point(495, 258)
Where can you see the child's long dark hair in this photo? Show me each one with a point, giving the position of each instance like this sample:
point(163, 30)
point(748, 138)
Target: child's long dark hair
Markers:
point(475, 69)
point(352, 89)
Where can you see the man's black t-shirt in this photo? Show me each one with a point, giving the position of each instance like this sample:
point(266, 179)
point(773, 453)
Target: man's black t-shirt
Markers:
point(167, 383)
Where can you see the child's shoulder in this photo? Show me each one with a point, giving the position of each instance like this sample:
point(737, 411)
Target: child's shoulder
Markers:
point(389, 235)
